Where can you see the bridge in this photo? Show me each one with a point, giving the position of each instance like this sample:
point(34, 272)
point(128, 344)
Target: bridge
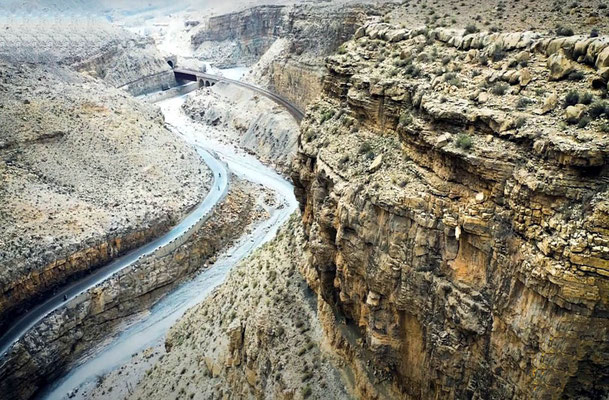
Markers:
point(207, 80)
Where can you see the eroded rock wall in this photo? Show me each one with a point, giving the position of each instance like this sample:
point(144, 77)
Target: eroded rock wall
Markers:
point(256, 336)
point(458, 235)
point(294, 66)
point(49, 348)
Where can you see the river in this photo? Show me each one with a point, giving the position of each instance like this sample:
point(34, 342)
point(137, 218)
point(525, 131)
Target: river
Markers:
point(151, 329)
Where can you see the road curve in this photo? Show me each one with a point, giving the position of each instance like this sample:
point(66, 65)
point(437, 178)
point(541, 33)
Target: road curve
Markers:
point(292, 109)
point(217, 192)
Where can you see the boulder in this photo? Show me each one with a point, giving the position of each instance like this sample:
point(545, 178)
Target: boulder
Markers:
point(549, 103)
point(560, 66)
point(524, 77)
point(574, 113)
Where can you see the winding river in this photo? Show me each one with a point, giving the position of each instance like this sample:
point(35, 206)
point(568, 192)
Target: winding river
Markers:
point(151, 329)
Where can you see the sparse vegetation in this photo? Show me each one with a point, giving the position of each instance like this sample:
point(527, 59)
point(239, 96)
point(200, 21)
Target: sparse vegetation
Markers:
point(326, 115)
point(576, 76)
point(499, 89)
point(520, 122)
point(464, 141)
point(405, 119)
point(523, 103)
point(597, 109)
point(572, 98)
point(584, 122)
point(471, 28)
point(563, 31)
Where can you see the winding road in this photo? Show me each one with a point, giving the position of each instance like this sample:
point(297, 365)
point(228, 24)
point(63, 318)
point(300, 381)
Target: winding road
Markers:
point(292, 109)
point(180, 232)
point(151, 329)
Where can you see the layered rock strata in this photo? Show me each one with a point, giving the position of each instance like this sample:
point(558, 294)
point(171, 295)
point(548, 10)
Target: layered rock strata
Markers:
point(457, 219)
point(290, 41)
point(47, 350)
point(256, 336)
point(247, 120)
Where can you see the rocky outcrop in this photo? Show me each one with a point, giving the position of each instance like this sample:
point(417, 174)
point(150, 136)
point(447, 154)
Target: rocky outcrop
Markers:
point(133, 63)
point(247, 120)
point(285, 44)
point(294, 66)
point(240, 38)
point(47, 350)
point(457, 234)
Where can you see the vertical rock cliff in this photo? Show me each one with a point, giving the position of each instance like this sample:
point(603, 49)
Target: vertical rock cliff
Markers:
point(455, 209)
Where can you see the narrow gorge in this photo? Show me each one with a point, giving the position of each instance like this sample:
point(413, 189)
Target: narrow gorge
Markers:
point(304, 200)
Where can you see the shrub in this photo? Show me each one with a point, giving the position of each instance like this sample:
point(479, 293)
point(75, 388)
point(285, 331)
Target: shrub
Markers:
point(342, 50)
point(483, 60)
point(445, 60)
point(563, 31)
point(499, 89)
point(306, 391)
point(604, 127)
point(498, 54)
point(523, 103)
point(405, 119)
point(594, 33)
point(464, 141)
point(586, 98)
point(471, 28)
point(572, 98)
point(326, 115)
point(576, 76)
point(597, 109)
point(365, 147)
point(583, 122)
point(520, 122)
point(413, 71)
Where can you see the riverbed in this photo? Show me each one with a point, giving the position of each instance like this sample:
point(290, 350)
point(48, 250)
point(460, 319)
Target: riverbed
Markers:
point(149, 331)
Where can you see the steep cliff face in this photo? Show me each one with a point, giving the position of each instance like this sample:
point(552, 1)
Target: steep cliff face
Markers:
point(457, 216)
point(240, 38)
point(248, 120)
point(133, 63)
point(311, 32)
point(285, 44)
point(257, 336)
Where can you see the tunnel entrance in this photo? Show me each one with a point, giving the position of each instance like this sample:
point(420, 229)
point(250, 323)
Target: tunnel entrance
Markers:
point(170, 63)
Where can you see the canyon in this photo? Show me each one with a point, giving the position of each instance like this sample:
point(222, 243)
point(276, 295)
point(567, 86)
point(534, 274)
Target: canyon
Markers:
point(447, 235)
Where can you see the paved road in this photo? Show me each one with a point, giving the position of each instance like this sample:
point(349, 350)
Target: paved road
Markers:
point(217, 193)
point(151, 329)
point(181, 231)
point(292, 109)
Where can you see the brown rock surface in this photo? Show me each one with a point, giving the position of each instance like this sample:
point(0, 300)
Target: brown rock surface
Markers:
point(477, 268)
point(257, 336)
